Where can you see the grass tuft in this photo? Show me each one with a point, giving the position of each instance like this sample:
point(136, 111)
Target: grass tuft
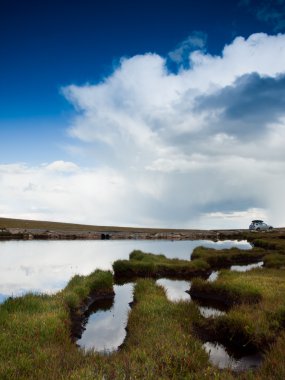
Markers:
point(35, 329)
point(257, 298)
point(274, 260)
point(226, 257)
point(143, 264)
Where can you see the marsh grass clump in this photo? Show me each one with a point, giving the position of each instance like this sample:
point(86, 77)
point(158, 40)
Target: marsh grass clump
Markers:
point(35, 340)
point(160, 344)
point(143, 264)
point(80, 287)
point(273, 366)
point(274, 260)
point(229, 293)
point(32, 327)
point(270, 243)
point(35, 329)
point(258, 303)
point(226, 257)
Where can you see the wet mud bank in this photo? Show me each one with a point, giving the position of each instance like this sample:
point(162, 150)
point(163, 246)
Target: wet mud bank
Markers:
point(218, 302)
point(237, 344)
point(221, 300)
point(241, 261)
point(148, 265)
point(131, 275)
point(105, 322)
point(225, 258)
point(227, 348)
point(224, 358)
point(79, 316)
point(225, 351)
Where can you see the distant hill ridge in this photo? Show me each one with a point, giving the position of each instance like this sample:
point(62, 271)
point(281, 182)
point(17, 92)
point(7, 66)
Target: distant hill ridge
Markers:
point(59, 226)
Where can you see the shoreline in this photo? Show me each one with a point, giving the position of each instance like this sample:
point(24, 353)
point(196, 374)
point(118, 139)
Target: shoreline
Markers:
point(40, 234)
point(19, 229)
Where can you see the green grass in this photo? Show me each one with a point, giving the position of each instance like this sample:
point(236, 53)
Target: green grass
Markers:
point(274, 260)
point(274, 365)
point(226, 257)
point(258, 311)
point(79, 287)
point(35, 329)
point(274, 248)
point(227, 289)
point(271, 243)
point(35, 339)
point(162, 341)
point(143, 264)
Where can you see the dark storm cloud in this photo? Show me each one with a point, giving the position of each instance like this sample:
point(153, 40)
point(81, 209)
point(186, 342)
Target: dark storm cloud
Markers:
point(229, 205)
point(248, 106)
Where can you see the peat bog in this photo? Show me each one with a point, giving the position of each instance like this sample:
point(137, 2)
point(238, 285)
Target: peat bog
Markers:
point(165, 337)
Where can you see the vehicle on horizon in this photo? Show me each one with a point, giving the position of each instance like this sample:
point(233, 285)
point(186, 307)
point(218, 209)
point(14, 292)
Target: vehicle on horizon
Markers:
point(260, 225)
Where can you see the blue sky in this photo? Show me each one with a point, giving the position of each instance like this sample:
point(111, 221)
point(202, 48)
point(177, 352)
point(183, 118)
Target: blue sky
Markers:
point(126, 103)
point(50, 44)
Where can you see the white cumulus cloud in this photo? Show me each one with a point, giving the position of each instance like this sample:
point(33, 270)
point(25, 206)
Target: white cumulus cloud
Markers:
point(200, 147)
point(62, 166)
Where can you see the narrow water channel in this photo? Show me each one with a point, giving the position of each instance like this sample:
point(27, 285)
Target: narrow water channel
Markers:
point(208, 311)
point(245, 268)
point(105, 329)
point(177, 290)
point(220, 358)
point(213, 276)
point(106, 322)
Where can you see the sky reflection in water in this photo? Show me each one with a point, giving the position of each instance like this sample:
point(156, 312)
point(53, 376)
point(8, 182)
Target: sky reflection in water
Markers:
point(245, 268)
point(175, 289)
point(46, 266)
point(221, 359)
point(105, 330)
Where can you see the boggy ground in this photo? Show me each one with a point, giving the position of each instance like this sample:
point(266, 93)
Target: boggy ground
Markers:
point(162, 340)
point(161, 343)
point(257, 315)
point(35, 338)
point(143, 264)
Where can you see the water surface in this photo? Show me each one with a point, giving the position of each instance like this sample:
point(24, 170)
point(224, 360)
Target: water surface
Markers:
point(213, 276)
point(178, 290)
point(208, 311)
point(47, 266)
point(219, 357)
point(245, 268)
point(175, 289)
point(106, 325)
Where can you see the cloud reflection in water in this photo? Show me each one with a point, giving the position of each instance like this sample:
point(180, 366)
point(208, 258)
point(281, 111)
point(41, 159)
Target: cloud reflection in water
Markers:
point(46, 266)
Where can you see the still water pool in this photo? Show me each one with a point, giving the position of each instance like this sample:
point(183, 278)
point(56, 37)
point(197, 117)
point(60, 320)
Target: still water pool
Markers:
point(47, 266)
point(106, 322)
